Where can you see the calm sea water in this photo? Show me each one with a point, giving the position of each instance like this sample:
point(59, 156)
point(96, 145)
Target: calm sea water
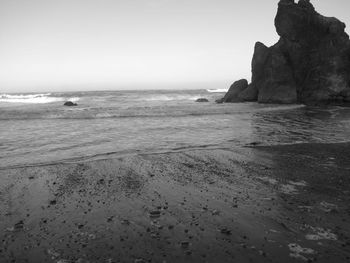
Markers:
point(37, 128)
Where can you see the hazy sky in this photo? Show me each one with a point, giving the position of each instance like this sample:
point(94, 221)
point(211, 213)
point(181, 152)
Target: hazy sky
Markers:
point(103, 44)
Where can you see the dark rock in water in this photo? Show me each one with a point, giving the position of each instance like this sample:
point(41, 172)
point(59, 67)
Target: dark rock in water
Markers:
point(309, 64)
point(202, 100)
point(220, 100)
point(69, 103)
point(235, 89)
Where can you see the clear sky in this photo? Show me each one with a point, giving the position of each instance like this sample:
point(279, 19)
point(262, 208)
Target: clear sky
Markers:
point(114, 44)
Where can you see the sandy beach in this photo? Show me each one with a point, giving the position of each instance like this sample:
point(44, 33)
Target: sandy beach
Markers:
point(250, 204)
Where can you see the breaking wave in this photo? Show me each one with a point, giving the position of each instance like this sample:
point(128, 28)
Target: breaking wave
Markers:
point(217, 90)
point(40, 98)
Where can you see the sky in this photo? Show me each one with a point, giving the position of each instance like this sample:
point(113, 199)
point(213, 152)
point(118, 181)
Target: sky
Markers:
point(64, 45)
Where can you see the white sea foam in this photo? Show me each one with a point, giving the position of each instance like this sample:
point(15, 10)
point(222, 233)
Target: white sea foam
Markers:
point(28, 96)
point(217, 90)
point(34, 98)
point(277, 107)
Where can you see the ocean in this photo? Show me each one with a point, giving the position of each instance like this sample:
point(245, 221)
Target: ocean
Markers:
point(37, 129)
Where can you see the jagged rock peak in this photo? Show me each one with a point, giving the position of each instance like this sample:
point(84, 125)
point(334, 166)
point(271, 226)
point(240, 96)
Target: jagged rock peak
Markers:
point(299, 21)
point(306, 4)
point(286, 2)
point(301, 3)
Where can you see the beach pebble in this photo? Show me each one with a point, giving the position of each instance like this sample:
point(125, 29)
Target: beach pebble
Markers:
point(17, 227)
point(328, 207)
point(216, 213)
point(297, 251)
point(53, 253)
point(154, 214)
point(125, 222)
point(185, 244)
point(225, 231)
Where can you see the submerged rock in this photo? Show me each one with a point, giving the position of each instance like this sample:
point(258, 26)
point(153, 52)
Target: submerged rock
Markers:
point(69, 103)
point(202, 100)
point(309, 64)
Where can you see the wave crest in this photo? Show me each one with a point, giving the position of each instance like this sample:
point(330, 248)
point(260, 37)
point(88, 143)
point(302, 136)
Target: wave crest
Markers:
point(40, 98)
point(217, 90)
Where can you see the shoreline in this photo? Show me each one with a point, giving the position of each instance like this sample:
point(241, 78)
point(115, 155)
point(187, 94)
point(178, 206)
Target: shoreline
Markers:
point(254, 204)
point(122, 154)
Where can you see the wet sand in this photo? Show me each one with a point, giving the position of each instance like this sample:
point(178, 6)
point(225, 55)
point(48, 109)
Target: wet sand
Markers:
point(254, 204)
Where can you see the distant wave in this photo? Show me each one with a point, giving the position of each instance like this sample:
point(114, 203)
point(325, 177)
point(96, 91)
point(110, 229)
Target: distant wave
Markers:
point(217, 90)
point(40, 98)
point(171, 97)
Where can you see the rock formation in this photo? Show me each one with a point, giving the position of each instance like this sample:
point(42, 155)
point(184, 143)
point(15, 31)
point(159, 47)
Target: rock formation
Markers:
point(235, 89)
point(309, 64)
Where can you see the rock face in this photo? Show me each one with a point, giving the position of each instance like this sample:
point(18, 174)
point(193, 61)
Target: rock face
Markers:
point(69, 103)
point(309, 64)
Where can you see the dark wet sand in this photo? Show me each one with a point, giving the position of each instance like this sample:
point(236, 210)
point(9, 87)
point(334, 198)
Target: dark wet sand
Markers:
point(259, 204)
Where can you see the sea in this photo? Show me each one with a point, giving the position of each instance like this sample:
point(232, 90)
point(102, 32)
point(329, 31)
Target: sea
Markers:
point(36, 129)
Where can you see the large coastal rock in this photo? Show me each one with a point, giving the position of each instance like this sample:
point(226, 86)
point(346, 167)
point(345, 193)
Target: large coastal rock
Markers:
point(235, 89)
point(258, 61)
point(309, 64)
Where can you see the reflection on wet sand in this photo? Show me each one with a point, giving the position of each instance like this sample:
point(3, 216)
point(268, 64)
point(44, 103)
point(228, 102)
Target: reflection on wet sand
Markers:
point(312, 187)
point(300, 125)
